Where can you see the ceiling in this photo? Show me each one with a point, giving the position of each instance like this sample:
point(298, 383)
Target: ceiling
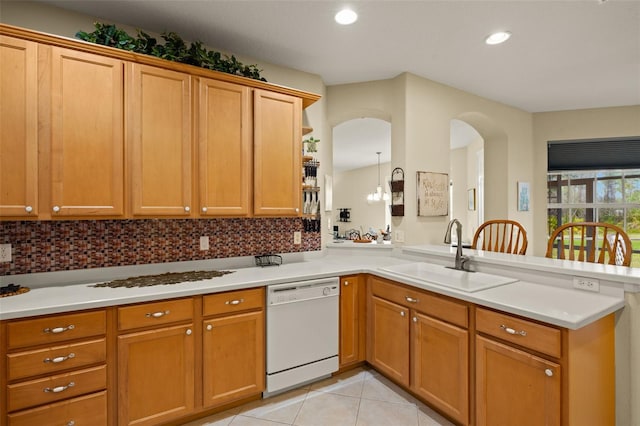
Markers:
point(562, 55)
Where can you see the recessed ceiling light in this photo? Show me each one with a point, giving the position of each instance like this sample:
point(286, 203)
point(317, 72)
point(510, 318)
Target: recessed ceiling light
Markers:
point(346, 17)
point(498, 37)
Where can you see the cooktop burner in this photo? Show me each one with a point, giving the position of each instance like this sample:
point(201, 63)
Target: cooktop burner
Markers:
point(12, 290)
point(163, 279)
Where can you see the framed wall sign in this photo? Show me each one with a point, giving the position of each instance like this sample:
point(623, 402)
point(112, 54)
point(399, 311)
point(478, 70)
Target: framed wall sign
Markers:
point(523, 196)
point(433, 194)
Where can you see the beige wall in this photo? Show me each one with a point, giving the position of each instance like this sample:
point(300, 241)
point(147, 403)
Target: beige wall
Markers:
point(420, 112)
point(585, 124)
point(568, 125)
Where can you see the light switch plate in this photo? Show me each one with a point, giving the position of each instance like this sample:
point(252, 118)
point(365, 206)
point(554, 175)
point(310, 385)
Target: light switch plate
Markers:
point(297, 237)
point(5, 252)
point(399, 237)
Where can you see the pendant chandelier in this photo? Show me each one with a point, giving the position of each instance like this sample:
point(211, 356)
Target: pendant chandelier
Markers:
point(378, 195)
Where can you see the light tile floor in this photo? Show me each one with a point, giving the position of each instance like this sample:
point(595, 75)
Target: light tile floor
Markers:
point(360, 397)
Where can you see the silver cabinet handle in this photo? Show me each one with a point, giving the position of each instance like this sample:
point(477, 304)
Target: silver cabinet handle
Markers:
point(402, 313)
point(71, 423)
point(548, 372)
point(204, 210)
point(234, 302)
point(187, 209)
point(59, 359)
point(60, 388)
point(209, 327)
point(512, 331)
point(28, 209)
point(411, 299)
point(56, 209)
point(189, 332)
point(159, 314)
point(415, 319)
point(57, 330)
point(346, 283)
point(297, 210)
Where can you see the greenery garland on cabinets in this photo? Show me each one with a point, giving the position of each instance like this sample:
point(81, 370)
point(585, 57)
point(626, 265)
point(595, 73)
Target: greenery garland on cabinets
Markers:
point(174, 49)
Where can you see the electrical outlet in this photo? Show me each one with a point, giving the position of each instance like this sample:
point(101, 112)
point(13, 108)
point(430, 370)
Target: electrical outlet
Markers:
point(204, 243)
point(5, 252)
point(399, 237)
point(297, 237)
point(589, 284)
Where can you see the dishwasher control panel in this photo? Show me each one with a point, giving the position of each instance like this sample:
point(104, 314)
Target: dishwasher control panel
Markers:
point(303, 290)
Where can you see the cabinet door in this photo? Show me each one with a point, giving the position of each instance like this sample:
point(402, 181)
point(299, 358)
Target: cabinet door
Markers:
point(514, 387)
point(352, 320)
point(440, 365)
point(389, 339)
point(87, 176)
point(155, 375)
point(224, 156)
point(277, 139)
point(19, 129)
point(233, 357)
point(159, 141)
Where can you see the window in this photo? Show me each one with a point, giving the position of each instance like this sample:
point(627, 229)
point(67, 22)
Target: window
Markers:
point(611, 196)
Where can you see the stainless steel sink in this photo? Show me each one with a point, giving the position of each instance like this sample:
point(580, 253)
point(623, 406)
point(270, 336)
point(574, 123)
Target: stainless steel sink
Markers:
point(441, 275)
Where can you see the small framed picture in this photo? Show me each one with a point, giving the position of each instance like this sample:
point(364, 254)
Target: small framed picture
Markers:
point(471, 193)
point(523, 196)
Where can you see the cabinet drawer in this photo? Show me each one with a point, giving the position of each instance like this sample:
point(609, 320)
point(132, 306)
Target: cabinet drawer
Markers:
point(156, 313)
point(422, 301)
point(51, 360)
point(84, 410)
point(53, 329)
point(525, 333)
point(56, 388)
point(233, 301)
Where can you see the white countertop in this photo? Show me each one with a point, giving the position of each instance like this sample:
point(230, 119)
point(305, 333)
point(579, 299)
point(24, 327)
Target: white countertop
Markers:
point(565, 307)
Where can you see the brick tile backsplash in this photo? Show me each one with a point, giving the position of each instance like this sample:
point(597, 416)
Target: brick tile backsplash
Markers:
point(47, 246)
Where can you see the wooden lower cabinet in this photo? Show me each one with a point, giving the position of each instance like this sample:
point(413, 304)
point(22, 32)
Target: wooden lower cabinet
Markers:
point(515, 387)
point(352, 320)
point(233, 357)
point(389, 339)
point(156, 375)
point(420, 340)
point(440, 365)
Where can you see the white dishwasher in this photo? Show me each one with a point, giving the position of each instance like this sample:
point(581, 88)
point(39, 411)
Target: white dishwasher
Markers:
point(302, 332)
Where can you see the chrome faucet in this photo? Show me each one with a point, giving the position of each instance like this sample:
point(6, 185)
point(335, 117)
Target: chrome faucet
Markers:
point(460, 259)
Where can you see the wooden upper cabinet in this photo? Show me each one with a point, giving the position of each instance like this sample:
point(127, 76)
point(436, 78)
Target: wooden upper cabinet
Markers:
point(87, 141)
point(277, 154)
point(225, 147)
point(19, 129)
point(159, 140)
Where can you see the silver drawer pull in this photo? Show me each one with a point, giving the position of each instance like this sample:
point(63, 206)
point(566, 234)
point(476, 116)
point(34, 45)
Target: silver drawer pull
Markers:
point(411, 299)
point(57, 330)
point(512, 331)
point(71, 423)
point(59, 358)
point(548, 372)
point(60, 388)
point(234, 302)
point(402, 313)
point(158, 314)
